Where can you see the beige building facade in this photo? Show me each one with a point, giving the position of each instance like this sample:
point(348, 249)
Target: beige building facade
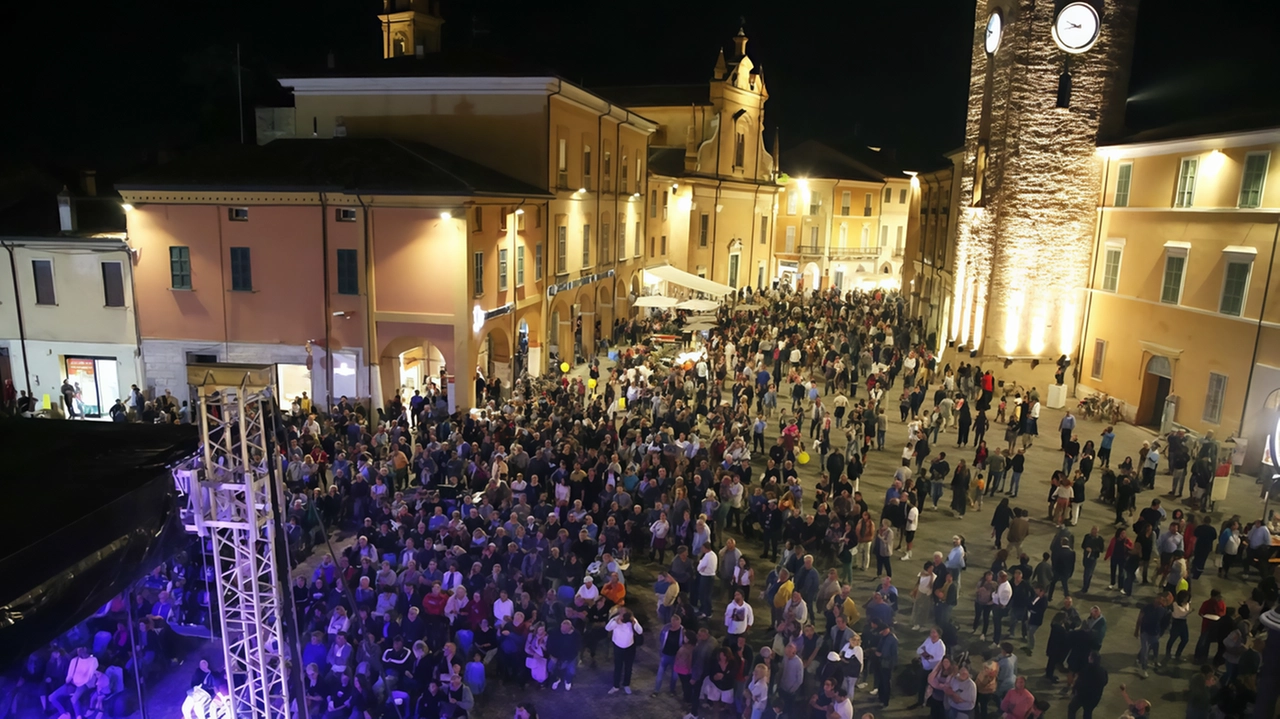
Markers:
point(928, 272)
point(1181, 321)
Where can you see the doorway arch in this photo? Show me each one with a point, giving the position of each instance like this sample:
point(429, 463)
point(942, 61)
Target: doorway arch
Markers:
point(1157, 381)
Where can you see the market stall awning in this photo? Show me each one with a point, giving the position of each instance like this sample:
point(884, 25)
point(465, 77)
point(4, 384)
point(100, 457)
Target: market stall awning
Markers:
point(675, 276)
point(655, 301)
point(698, 305)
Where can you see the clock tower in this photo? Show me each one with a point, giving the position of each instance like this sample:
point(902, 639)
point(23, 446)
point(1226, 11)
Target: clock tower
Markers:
point(1048, 78)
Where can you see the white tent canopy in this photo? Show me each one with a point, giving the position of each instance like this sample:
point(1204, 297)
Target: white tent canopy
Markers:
point(698, 305)
point(675, 276)
point(655, 301)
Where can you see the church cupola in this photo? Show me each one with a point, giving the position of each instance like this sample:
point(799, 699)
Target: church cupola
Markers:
point(739, 45)
point(410, 27)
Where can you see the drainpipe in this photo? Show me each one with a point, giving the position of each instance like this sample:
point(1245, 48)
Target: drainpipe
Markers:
point(328, 308)
point(22, 327)
point(552, 333)
point(371, 330)
point(514, 289)
point(1257, 337)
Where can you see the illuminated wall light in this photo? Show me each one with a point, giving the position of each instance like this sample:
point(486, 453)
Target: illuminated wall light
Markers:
point(684, 203)
point(1036, 338)
point(127, 207)
point(446, 215)
point(1214, 162)
point(915, 182)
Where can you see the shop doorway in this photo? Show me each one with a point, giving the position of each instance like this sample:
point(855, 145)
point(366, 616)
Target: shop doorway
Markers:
point(96, 381)
point(1156, 383)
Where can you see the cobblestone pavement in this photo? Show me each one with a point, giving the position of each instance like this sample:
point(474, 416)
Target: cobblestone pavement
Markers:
point(1165, 688)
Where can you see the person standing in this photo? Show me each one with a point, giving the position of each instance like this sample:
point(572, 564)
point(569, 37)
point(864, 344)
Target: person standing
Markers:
point(1088, 688)
point(1152, 622)
point(623, 630)
point(887, 652)
point(931, 651)
point(1092, 546)
point(738, 617)
point(708, 565)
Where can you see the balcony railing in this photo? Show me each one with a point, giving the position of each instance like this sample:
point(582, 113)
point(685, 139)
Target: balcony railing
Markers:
point(841, 253)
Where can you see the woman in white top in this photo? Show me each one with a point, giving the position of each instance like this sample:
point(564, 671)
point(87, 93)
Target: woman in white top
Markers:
point(922, 600)
point(1178, 627)
point(758, 691)
point(853, 661)
point(743, 574)
point(535, 650)
point(622, 629)
point(658, 532)
point(456, 606)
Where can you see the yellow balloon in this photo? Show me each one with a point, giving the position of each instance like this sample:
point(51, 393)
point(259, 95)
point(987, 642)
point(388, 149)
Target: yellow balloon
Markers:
point(803, 458)
point(591, 383)
point(564, 366)
point(622, 403)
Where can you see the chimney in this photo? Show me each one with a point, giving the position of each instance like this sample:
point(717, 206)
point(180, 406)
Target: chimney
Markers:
point(89, 178)
point(66, 216)
point(740, 43)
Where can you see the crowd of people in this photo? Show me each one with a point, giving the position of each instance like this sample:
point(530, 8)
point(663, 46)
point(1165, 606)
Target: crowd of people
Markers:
point(519, 542)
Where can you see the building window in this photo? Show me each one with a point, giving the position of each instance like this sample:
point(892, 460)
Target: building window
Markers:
point(622, 176)
point(241, 270)
point(586, 168)
point(734, 261)
point(537, 262)
point(607, 160)
point(503, 218)
point(844, 235)
point(1124, 176)
point(348, 272)
point(180, 268)
point(1111, 267)
point(586, 245)
point(636, 238)
point(477, 273)
point(764, 229)
point(113, 284)
point(664, 205)
point(865, 241)
point(1235, 284)
point(664, 245)
point(1255, 174)
point(884, 235)
point(562, 164)
point(845, 199)
point(651, 247)
point(653, 203)
point(520, 266)
point(477, 220)
point(1186, 191)
point(813, 238)
point(43, 272)
point(791, 201)
point(740, 150)
point(502, 270)
point(815, 204)
point(888, 195)
point(345, 214)
point(622, 241)
point(704, 225)
point(562, 249)
point(605, 243)
point(1099, 358)
point(791, 239)
point(902, 196)
point(1214, 397)
point(1174, 272)
point(238, 214)
point(866, 207)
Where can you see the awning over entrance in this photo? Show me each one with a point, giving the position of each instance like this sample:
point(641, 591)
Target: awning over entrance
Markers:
point(675, 276)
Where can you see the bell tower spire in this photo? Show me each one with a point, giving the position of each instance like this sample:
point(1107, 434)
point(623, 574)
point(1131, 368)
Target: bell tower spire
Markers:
point(410, 27)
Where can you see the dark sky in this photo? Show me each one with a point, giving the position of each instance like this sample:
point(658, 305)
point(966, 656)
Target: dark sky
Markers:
point(107, 84)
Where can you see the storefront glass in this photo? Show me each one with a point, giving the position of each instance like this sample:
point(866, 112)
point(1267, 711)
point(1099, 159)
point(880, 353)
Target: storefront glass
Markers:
point(97, 383)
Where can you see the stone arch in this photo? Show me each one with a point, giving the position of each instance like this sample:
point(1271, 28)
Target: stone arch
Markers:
point(559, 331)
point(585, 331)
point(607, 307)
point(495, 352)
point(411, 360)
point(812, 275)
point(1160, 367)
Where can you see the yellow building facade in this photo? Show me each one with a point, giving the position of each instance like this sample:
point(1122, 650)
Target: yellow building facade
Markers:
point(1182, 321)
point(713, 186)
point(841, 222)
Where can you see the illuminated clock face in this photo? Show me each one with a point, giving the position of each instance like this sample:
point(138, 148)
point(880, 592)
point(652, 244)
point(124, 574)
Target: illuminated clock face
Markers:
point(995, 25)
point(1076, 27)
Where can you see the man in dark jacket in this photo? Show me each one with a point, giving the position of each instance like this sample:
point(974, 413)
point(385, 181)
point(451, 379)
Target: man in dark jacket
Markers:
point(1088, 688)
point(1064, 566)
point(563, 648)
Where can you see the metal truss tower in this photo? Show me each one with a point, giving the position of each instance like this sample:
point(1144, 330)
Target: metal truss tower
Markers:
point(237, 504)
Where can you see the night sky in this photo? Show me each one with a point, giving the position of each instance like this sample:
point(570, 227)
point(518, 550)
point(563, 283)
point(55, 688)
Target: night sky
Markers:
point(110, 85)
